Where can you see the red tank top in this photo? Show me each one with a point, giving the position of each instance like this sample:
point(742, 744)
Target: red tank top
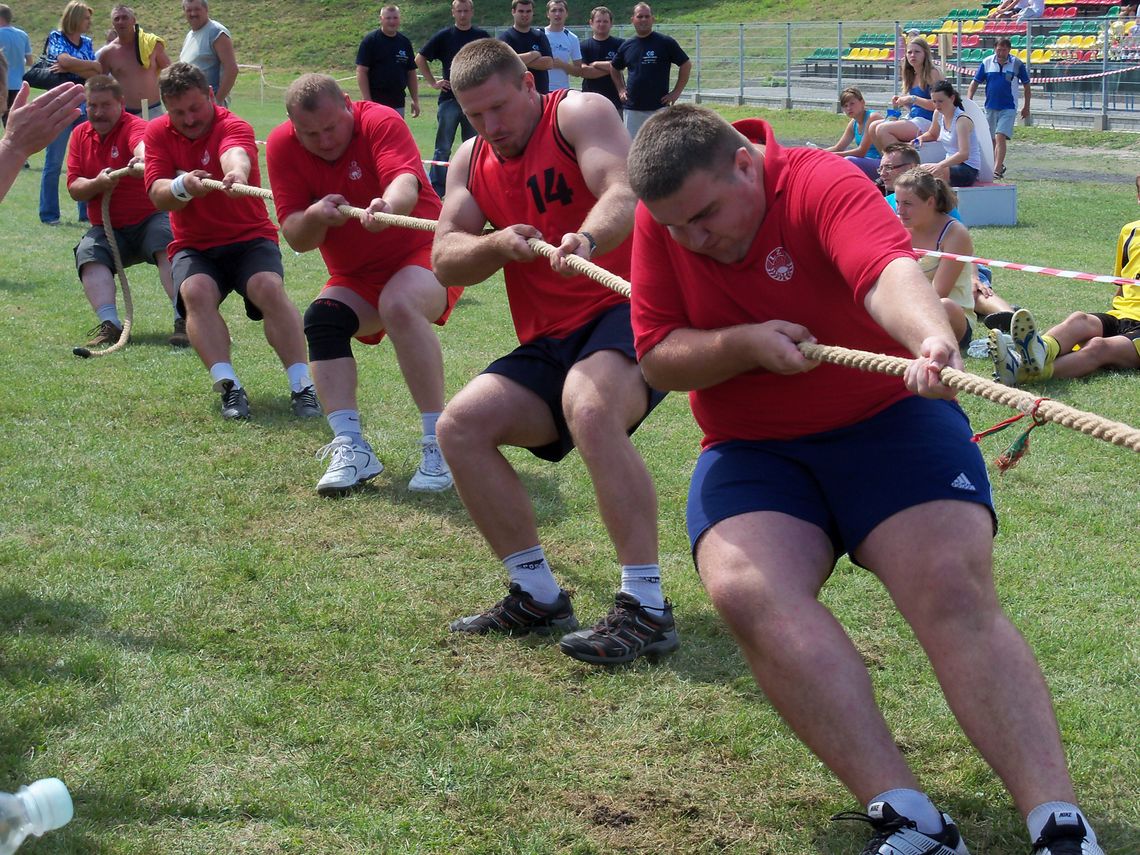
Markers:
point(544, 187)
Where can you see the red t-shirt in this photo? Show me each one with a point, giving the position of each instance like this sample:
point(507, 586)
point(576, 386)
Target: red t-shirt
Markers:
point(215, 219)
point(89, 154)
point(825, 239)
point(544, 188)
point(382, 149)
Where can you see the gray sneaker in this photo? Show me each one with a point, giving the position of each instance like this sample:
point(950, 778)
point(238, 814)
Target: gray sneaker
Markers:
point(305, 404)
point(235, 403)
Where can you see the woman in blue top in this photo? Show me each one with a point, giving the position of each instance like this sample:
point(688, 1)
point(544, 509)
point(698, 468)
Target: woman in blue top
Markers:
point(863, 154)
point(955, 130)
point(72, 53)
point(918, 78)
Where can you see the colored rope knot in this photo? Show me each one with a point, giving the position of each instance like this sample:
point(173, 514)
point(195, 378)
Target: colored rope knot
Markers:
point(1020, 446)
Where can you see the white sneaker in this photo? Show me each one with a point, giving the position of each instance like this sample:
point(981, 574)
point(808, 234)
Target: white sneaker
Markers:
point(1008, 367)
point(433, 476)
point(1023, 329)
point(352, 463)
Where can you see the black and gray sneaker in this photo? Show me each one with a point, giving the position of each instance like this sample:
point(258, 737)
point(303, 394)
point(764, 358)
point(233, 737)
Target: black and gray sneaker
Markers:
point(628, 631)
point(305, 404)
point(235, 403)
point(518, 614)
point(895, 834)
point(1065, 834)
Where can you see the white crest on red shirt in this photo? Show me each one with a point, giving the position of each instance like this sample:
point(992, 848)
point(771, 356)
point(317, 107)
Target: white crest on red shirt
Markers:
point(205, 158)
point(114, 152)
point(779, 265)
point(355, 173)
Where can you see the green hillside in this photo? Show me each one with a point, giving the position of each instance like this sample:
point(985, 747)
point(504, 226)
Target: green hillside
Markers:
point(323, 35)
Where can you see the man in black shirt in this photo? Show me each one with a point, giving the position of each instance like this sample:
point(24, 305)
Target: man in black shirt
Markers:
point(385, 65)
point(443, 46)
point(597, 52)
point(531, 44)
point(648, 56)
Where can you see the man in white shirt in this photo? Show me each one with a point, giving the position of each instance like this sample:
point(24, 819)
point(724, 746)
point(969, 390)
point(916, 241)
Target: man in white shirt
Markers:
point(564, 45)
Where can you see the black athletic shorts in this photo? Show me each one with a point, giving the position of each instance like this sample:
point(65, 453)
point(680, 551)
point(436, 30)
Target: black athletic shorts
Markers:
point(542, 365)
point(1113, 325)
point(230, 266)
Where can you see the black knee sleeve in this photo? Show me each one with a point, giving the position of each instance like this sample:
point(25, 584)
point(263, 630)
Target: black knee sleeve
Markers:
point(329, 328)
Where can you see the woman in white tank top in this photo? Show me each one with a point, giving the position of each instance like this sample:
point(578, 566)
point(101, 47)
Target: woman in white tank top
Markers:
point(955, 130)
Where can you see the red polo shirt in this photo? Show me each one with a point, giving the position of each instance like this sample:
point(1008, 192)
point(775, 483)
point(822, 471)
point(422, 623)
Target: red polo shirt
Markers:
point(89, 154)
point(825, 239)
point(215, 219)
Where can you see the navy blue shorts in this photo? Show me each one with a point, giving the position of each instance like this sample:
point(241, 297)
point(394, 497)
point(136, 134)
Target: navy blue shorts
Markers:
point(230, 266)
point(845, 481)
point(542, 365)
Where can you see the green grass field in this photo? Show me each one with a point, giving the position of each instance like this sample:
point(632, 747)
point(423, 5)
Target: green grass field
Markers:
point(217, 661)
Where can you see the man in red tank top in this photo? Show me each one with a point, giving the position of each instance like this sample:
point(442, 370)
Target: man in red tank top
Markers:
point(550, 167)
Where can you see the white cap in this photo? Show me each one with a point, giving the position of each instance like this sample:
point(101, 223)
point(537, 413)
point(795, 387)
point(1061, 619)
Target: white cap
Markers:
point(50, 798)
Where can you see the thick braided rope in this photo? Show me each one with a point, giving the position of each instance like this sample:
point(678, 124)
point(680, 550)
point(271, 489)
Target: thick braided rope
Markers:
point(121, 272)
point(1092, 424)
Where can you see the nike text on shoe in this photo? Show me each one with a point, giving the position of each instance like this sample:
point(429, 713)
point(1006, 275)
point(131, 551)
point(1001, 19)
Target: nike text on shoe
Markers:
point(1007, 361)
point(235, 403)
point(105, 333)
point(352, 463)
point(518, 614)
point(1065, 834)
point(1030, 346)
point(628, 631)
point(433, 476)
point(897, 835)
point(305, 404)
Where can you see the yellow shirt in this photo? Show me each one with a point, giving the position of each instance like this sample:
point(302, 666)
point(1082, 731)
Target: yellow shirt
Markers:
point(1127, 305)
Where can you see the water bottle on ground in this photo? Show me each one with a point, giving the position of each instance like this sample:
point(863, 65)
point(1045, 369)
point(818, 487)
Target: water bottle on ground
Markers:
point(37, 808)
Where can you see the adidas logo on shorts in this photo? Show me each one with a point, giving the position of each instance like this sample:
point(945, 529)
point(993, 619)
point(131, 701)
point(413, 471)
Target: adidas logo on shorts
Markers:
point(963, 483)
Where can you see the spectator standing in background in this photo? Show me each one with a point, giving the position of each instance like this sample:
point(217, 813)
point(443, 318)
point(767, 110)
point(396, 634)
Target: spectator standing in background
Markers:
point(443, 46)
point(564, 45)
point(998, 71)
point(134, 57)
point(17, 49)
point(530, 43)
point(386, 65)
point(210, 47)
point(597, 53)
point(648, 56)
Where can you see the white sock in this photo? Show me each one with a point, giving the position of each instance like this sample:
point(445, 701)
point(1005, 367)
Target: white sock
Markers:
point(221, 371)
point(1066, 813)
point(644, 582)
point(915, 806)
point(299, 378)
point(109, 313)
point(345, 423)
point(529, 570)
point(428, 421)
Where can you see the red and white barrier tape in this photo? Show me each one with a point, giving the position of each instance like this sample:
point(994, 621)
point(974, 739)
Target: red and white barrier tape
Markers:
point(950, 67)
point(1030, 268)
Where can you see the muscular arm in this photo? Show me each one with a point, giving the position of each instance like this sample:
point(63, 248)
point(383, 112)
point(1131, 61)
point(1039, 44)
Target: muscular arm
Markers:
point(414, 92)
point(903, 303)
point(972, 90)
point(535, 61)
point(594, 70)
point(425, 69)
point(159, 57)
point(1025, 100)
point(362, 83)
point(224, 48)
point(689, 359)
point(85, 189)
point(682, 80)
point(83, 67)
point(461, 254)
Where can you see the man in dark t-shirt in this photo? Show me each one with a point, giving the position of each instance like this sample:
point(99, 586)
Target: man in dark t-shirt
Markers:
point(648, 56)
point(443, 46)
point(385, 65)
point(530, 43)
point(597, 53)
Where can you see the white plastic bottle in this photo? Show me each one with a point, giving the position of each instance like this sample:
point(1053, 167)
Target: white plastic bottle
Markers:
point(39, 807)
